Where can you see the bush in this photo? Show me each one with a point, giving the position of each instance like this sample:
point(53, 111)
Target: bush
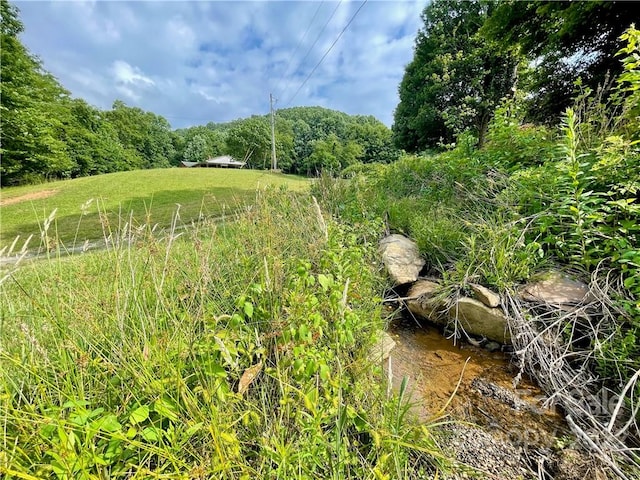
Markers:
point(513, 144)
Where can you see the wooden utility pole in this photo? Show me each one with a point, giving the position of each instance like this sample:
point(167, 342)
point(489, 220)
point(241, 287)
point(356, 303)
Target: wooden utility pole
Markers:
point(274, 160)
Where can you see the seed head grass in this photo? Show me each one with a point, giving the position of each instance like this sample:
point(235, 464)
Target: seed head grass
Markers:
point(230, 349)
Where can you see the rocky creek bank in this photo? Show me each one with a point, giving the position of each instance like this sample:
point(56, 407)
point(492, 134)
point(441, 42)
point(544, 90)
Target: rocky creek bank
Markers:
point(454, 355)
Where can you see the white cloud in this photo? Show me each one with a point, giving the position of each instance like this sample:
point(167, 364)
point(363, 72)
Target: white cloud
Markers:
point(125, 73)
point(195, 62)
point(180, 34)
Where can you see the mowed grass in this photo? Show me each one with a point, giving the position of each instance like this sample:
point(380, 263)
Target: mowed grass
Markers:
point(90, 208)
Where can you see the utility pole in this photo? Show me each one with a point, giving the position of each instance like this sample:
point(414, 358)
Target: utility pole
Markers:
point(274, 160)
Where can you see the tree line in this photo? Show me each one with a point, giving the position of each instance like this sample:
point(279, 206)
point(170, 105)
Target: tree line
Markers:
point(308, 140)
point(470, 56)
point(48, 134)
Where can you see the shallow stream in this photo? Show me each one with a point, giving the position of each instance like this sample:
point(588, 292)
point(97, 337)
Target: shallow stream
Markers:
point(486, 396)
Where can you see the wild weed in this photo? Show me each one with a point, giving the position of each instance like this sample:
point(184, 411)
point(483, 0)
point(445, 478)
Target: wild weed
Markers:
point(226, 350)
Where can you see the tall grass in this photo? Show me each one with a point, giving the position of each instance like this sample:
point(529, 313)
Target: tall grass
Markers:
point(224, 351)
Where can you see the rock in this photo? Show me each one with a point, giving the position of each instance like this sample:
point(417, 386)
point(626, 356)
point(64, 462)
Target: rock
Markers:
point(486, 296)
point(421, 300)
point(501, 394)
point(557, 289)
point(475, 317)
point(401, 258)
point(382, 348)
point(478, 319)
point(492, 347)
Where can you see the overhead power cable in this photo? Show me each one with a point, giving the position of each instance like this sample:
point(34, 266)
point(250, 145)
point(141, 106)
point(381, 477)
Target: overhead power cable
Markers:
point(286, 70)
point(327, 52)
point(313, 45)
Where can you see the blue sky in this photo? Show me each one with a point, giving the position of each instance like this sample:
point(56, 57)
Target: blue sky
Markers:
point(195, 62)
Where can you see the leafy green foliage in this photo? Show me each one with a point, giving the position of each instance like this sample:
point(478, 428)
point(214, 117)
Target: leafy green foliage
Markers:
point(513, 144)
point(567, 40)
point(31, 108)
point(250, 141)
point(332, 155)
point(146, 135)
point(196, 150)
point(455, 80)
point(309, 140)
point(47, 135)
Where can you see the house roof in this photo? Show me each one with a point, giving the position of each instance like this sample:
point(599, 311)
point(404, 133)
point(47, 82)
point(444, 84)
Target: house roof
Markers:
point(224, 160)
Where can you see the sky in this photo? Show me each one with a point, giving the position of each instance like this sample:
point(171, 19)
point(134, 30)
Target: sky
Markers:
point(216, 61)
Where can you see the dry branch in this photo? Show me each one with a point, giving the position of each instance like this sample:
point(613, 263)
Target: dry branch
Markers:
point(545, 340)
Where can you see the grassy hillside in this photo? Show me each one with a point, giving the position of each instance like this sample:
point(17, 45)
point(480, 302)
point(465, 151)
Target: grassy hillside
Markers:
point(84, 206)
point(235, 351)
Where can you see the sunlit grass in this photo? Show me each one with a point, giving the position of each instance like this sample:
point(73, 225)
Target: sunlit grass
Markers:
point(128, 362)
point(85, 206)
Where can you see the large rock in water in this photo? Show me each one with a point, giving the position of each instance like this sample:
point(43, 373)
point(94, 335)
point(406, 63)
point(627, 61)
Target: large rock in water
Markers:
point(475, 317)
point(421, 301)
point(401, 258)
point(478, 319)
point(557, 289)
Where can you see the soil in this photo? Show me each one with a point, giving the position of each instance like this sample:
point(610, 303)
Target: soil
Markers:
point(26, 197)
point(501, 429)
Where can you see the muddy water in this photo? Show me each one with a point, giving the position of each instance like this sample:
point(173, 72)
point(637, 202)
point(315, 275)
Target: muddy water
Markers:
point(486, 395)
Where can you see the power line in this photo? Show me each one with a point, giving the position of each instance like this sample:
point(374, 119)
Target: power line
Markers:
point(286, 70)
point(327, 52)
point(313, 45)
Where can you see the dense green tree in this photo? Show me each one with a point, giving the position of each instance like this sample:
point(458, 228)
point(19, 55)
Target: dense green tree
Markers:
point(196, 150)
point(309, 125)
point(146, 135)
point(375, 138)
point(214, 140)
point(31, 111)
point(250, 140)
point(285, 152)
point(456, 78)
point(332, 155)
point(91, 143)
point(565, 40)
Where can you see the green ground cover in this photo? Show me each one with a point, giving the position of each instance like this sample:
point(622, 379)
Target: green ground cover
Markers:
point(234, 350)
point(85, 206)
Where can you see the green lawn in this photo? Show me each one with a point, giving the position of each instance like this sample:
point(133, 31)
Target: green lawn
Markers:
point(85, 205)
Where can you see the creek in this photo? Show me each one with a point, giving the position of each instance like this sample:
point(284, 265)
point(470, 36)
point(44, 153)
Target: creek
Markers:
point(485, 395)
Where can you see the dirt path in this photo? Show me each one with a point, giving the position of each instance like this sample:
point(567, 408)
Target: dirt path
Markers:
point(26, 197)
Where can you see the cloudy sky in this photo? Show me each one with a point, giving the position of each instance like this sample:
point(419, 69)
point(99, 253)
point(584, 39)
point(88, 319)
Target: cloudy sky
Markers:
point(195, 62)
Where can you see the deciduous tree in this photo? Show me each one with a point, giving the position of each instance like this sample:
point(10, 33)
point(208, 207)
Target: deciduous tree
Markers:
point(455, 80)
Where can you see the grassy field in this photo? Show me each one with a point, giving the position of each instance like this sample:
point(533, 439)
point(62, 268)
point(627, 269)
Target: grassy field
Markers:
point(84, 206)
point(233, 351)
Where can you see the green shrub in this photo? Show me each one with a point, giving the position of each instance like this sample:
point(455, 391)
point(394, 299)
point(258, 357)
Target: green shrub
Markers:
point(513, 144)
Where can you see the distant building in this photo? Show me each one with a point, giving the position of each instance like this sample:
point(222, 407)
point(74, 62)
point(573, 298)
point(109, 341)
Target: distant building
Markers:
point(225, 161)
